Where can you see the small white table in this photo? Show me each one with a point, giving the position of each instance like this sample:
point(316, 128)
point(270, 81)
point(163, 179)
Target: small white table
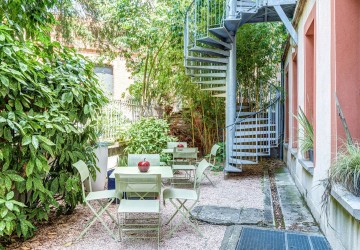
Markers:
point(165, 171)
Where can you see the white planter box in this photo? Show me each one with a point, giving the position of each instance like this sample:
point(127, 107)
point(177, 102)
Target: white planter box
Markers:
point(102, 154)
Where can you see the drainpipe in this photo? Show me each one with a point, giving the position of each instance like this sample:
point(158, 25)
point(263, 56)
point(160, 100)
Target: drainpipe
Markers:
point(281, 115)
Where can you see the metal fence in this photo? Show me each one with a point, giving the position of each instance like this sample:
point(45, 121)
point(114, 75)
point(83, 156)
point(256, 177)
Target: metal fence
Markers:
point(119, 114)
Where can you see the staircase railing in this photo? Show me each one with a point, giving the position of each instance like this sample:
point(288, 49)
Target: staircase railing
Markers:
point(260, 139)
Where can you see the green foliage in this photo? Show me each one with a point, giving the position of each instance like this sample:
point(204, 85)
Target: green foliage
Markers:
point(346, 168)
point(148, 136)
point(259, 49)
point(154, 55)
point(28, 19)
point(307, 139)
point(50, 98)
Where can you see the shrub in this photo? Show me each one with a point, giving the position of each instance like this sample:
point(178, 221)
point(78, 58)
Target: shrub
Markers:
point(148, 136)
point(49, 100)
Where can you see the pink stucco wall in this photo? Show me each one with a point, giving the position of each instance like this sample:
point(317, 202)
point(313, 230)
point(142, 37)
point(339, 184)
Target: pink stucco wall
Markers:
point(346, 60)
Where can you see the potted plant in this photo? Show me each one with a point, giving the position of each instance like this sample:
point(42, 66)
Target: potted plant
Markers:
point(346, 168)
point(307, 139)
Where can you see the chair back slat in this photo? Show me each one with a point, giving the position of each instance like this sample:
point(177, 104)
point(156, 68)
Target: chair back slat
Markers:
point(199, 174)
point(173, 144)
point(214, 149)
point(139, 184)
point(83, 169)
point(134, 159)
point(185, 153)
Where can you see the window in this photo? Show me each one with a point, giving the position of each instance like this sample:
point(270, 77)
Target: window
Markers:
point(294, 102)
point(287, 110)
point(106, 78)
point(310, 72)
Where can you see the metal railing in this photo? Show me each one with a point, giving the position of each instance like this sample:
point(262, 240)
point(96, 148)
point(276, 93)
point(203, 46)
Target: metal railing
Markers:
point(119, 113)
point(257, 132)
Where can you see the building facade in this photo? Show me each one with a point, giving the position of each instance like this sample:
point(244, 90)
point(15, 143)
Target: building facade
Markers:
point(324, 64)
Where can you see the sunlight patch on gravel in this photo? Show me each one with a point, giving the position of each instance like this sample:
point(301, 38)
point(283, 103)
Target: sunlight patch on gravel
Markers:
point(244, 190)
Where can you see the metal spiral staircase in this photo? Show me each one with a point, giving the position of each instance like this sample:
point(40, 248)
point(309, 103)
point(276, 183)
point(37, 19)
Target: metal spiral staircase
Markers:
point(210, 58)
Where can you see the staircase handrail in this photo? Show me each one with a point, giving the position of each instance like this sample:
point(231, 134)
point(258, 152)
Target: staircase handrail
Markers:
point(278, 96)
point(188, 8)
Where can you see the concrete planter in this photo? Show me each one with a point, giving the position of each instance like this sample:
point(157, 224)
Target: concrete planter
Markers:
point(101, 153)
point(311, 155)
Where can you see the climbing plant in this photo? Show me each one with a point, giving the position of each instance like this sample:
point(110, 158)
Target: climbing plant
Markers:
point(49, 101)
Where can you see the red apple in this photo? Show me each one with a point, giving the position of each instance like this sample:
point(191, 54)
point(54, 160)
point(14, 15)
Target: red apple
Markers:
point(180, 145)
point(144, 166)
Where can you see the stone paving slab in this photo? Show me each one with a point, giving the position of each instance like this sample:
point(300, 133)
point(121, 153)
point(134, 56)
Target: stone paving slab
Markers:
point(295, 211)
point(228, 216)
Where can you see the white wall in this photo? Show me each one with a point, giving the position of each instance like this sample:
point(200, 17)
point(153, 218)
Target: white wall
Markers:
point(121, 76)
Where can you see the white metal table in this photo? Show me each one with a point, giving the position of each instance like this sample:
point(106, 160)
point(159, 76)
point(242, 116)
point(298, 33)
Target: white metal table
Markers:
point(165, 171)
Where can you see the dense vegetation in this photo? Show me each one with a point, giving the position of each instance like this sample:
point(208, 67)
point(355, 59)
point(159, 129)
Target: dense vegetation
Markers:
point(50, 96)
point(49, 101)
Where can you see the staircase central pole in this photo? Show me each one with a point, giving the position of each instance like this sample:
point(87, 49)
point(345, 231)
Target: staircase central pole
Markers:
point(231, 88)
point(231, 101)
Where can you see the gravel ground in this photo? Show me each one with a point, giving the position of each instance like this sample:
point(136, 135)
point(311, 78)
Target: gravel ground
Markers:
point(243, 190)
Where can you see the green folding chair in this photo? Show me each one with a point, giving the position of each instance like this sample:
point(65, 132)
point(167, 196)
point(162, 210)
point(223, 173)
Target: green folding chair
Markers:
point(184, 160)
point(178, 197)
point(212, 160)
point(103, 198)
point(137, 227)
point(212, 155)
point(174, 144)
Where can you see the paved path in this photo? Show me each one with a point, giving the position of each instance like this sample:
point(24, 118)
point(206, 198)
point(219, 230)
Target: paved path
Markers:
point(302, 232)
point(295, 211)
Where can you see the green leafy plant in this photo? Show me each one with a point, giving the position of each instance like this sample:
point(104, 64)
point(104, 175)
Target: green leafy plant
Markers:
point(344, 171)
point(49, 100)
point(307, 130)
point(148, 136)
point(346, 168)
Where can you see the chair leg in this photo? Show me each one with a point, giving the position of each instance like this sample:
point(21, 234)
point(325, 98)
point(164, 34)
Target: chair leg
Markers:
point(158, 229)
point(185, 217)
point(207, 177)
point(118, 230)
point(97, 217)
point(177, 210)
point(102, 205)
